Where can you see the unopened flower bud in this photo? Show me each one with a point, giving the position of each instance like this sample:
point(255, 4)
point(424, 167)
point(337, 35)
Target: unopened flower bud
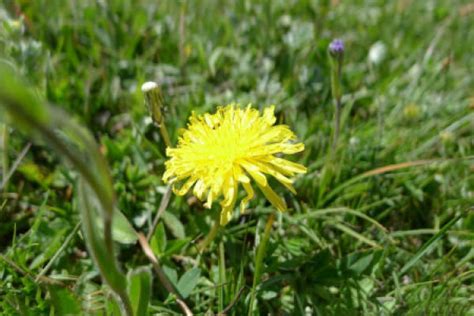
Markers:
point(336, 53)
point(336, 48)
point(155, 105)
point(153, 101)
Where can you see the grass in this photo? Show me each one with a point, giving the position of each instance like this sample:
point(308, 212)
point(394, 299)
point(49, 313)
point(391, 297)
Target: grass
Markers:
point(384, 225)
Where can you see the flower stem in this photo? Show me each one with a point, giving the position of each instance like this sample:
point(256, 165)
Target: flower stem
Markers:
point(259, 260)
point(210, 236)
point(337, 124)
point(165, 135)
point(336, 56)
point(162, 276)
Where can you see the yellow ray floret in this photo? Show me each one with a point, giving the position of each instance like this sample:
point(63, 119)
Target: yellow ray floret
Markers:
point(217, 152)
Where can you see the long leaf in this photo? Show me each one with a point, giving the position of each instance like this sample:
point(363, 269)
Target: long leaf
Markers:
point(428, 246)
point(77, 146)
point(139, 289)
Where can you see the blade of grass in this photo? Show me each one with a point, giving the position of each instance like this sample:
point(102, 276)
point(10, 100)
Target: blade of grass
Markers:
point(4, 146)
point(261, 250)
point(222, 278)
point(16, 163)
point(163, 205)
point(428, 245)
point(385, 169)
point(356, 235)
point(60, 250)
point(322, 212)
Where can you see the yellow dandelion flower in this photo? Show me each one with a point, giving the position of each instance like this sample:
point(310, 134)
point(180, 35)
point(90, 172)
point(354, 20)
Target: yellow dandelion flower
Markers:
point(217, 152)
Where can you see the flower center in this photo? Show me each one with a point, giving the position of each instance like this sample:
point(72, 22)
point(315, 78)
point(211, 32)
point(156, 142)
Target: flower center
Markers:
point(227, 146)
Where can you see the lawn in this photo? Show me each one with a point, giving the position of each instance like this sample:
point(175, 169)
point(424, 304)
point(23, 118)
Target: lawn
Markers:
point(381, 220)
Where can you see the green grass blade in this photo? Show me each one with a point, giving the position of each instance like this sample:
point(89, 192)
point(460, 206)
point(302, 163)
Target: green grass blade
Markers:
point(356, 235)
point(428, 245)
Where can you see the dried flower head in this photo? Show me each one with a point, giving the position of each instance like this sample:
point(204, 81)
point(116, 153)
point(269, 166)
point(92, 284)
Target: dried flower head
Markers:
point(219, 151)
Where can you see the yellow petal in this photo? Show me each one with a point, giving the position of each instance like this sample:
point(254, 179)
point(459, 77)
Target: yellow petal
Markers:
point(210, 197)
point(185, 188)
point(292, 148)
point(271, 196)
point(269, 115)
point(226, 215)
point(208, 119)
point(250, 194)
point(270, 169)
point(280, 133)
point(240, 175)
point(168, 174)
point(229, 203)
point(229, 191)
point(287, 165)
point(254, 172)
point(284, 148)
point(199, 189)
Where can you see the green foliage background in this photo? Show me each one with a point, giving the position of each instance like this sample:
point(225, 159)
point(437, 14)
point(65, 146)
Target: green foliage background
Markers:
point(359, 238)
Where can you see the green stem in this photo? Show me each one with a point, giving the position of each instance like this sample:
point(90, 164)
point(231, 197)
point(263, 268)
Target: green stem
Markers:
point(5, 166)
point(210, 236)
point(222, 278)
point(259, 260)
point(161, 274)
point(337, 124)
point(127, 305)
point(165, 135)
point(336, 89)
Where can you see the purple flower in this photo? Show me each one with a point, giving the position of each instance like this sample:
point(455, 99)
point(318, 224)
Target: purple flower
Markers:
point(336, 47)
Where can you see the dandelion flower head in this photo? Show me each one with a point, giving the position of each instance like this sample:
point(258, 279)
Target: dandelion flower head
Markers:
point(233, 146)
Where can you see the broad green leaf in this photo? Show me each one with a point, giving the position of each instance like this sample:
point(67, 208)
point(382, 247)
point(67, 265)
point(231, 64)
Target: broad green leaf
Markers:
point(158, 241)
point(171, 274)
point(64, 301)
point(139, 290)
point(365, 262)
point(188, 281)
point(49, 249)
point(174, 246)
point(174, 224)
point(123, 231)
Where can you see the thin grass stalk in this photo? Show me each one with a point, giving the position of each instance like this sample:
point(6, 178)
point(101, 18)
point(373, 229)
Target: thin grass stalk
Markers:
point(210, 236)
point(262, 248)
